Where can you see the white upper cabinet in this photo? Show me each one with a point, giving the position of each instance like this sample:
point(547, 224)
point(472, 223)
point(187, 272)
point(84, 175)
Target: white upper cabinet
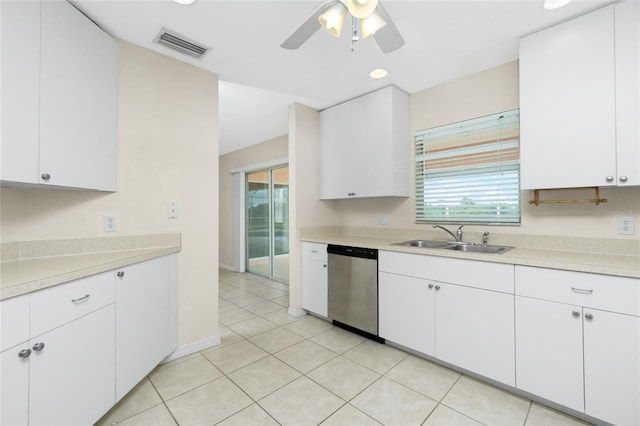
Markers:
point(578, 106)
point(59, 100)
point(627, 19)
point(364, 147)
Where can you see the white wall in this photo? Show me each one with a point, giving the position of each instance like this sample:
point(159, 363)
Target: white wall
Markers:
point(483, 93)
point(167, 151)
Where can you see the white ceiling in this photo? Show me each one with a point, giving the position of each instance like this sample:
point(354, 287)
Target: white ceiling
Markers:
point(445, 40)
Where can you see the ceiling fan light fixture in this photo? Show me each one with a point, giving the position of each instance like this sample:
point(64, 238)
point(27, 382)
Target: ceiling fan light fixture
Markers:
point(333, 19)
point(362, 8)
point(555, 4)
point(371, 24)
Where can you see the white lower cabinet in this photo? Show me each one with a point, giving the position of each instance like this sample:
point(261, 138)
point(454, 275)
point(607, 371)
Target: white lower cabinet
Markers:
point(68, 352)
point(314, 289)
point(142, 321)
point(578, 341)
point(406, 312)
point(72, 378)
point(472, 328)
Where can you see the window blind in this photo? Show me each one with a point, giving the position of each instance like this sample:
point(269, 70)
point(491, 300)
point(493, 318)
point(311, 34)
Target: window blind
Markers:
point(469, 172)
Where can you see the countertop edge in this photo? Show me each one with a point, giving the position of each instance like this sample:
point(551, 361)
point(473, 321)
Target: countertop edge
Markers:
point(92, 269)
point(516, 256)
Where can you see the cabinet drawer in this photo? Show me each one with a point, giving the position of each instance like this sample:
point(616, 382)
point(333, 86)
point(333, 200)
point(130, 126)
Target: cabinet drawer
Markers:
point(606, 292)
point(14, 321)
point(315, 251)
point(471, 273)
point(58, 305)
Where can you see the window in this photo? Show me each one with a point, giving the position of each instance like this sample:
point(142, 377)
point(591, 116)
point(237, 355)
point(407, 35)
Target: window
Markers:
point(469, 172)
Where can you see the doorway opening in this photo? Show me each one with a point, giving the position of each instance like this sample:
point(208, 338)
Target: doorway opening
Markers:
point(267, 223)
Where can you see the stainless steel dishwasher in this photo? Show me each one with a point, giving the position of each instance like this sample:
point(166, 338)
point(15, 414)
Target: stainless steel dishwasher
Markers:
point(353, 289)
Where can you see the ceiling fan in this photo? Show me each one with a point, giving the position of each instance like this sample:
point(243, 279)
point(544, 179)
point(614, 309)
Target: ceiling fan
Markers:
point(372, 16)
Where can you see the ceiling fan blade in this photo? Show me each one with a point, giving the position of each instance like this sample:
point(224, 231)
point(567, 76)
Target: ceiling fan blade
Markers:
point(307, 29)
point(388, 37)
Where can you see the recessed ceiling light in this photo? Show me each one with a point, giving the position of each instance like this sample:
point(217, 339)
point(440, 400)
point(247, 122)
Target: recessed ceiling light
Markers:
point(184, 2)
point(378, 73)
point(555, 4)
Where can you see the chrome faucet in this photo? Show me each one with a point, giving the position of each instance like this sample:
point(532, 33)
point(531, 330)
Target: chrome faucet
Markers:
point(485, 238)
point(457, 236)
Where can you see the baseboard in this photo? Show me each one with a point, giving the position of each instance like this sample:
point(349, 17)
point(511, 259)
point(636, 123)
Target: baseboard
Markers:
point(192, 348)
point(297, 312)
point(227, 267)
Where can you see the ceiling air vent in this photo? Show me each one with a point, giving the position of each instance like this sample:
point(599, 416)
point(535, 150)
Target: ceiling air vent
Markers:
point(180, 43)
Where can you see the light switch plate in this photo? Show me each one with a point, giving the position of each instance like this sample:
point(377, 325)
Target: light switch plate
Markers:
point(626, 225)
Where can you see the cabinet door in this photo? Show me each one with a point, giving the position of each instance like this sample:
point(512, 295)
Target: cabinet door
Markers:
point(475, 331)
point(567, 104)
point(142, 321)
point(612, 366)
point(627, 24)
point(14, 386)
point(406, 311)
point(549, 351)
point(337, 170)
point(78, 100)
point(314, 286)
point(72, 379)
point(20, 90)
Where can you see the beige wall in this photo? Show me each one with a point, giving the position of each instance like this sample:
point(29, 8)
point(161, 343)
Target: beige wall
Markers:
point(167, 151)
point(305, 209)
point(479, 94)
point(273, 149)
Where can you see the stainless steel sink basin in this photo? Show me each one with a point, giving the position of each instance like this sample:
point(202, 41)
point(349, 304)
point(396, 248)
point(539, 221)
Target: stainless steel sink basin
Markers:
point(424, 244)
point(468, 247)
point(480, 249)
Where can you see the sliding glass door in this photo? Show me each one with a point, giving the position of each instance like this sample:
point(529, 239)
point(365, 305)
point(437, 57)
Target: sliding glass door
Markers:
point(268, 223)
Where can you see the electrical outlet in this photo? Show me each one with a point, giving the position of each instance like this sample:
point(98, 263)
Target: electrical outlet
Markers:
point(626, 226)
point(383, 219)
point(172, 210)
point(110, 223)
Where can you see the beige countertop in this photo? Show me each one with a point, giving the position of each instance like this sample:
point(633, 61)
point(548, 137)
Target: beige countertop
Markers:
point(24, 275)
point(600, 263)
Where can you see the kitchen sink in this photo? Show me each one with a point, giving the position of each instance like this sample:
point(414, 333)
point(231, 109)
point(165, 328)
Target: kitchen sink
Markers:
point(444, 245)
point(424, 244)
point(472, 248)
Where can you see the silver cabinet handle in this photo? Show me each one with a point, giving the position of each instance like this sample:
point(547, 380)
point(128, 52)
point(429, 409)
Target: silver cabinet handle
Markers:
point(581, 290)
point(25, 353)
point(314, 251)
point(575, 314)
point(609, 178)
point(623, 179)
point(120, 274)
point(46, 176)
point(38, 346)
point(588, 316)
point(351, 194)
point(437, 286)
point(81, 299)
point(430, 285)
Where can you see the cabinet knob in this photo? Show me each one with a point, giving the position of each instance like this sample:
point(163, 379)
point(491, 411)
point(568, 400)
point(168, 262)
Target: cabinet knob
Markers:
point(120, 274)
point(25, 353)
point(324, 265)
point(575, 314)
point(430, 285)
point(46, 176)
point(588, 316)
point(609, 178)
point(623, 179)
point(437, 286)
point(38, 346)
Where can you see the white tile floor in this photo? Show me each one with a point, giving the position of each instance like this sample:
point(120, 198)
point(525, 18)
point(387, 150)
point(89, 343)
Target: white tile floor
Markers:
point(273, 369)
